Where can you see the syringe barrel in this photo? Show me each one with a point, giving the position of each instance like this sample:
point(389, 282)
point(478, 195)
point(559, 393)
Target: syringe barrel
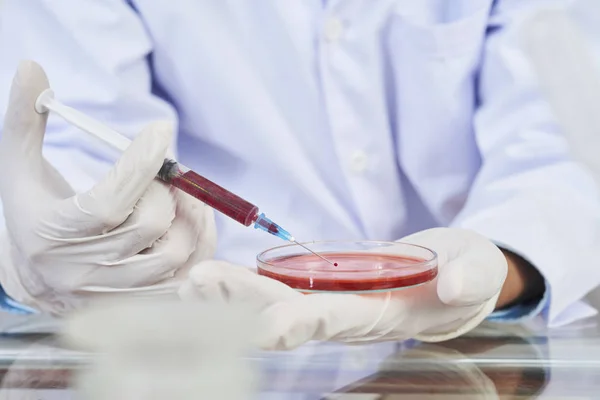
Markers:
point(208, 192)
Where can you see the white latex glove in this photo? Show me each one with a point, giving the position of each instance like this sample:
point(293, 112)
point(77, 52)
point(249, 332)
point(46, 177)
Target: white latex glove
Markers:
point(128, 235)
point(471, 273)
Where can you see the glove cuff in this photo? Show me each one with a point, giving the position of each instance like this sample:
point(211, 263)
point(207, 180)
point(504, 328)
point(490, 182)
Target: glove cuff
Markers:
point(26, 290)
point(486, 309)
point(9, 276)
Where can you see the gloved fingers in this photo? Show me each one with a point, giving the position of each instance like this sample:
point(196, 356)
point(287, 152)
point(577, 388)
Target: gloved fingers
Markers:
point(176, 247)
point(153, 265)
point(164, 258)
point(344, 317)
point(29, 178)
point(446, 322)
point(363, 318)
point(417, 310)
point(470, 279)
point(71, 279)
point(112, 200)
point(201, 234)
point(471, 268)
point(154, 244)
point(439, 240)
point(24, 128)
point(150, 220)
point(201, 221)
point(138, 271)
point(220, 281)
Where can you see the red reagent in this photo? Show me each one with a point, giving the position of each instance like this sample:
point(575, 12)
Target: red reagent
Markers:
point(216, 197)
point(357, 272)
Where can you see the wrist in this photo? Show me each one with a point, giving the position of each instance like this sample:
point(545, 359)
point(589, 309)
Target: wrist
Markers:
point(523, 282)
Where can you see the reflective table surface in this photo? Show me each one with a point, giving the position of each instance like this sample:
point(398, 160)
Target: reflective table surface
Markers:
point(494, 361)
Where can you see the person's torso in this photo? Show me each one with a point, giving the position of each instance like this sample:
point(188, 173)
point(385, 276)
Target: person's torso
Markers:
point(339, 119)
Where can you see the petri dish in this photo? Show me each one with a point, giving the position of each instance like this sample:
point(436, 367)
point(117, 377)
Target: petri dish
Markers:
point(363, 266)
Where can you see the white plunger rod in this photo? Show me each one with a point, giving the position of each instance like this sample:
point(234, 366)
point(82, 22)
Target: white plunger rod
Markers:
point(46, 101)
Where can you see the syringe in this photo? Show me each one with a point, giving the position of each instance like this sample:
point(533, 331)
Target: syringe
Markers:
point(174, 173)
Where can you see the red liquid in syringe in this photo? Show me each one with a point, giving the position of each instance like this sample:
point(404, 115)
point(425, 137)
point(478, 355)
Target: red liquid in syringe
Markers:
point(216, 197)
point(356, 272)
point(219, 198)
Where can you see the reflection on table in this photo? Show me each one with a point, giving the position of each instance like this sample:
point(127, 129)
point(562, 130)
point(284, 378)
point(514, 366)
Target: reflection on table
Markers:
point(494, 361)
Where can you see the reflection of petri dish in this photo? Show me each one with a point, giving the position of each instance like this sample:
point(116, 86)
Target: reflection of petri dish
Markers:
point(363, 266)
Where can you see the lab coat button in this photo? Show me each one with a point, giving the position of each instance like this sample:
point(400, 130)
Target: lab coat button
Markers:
point(333, 29)
point(359, 161)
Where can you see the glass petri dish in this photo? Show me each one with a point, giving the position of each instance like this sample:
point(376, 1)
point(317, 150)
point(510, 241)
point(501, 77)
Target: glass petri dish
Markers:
point(363, 266)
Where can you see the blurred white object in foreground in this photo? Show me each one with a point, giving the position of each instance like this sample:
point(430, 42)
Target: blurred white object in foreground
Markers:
point(178, 351)
point(570, 78)
point(564, 50)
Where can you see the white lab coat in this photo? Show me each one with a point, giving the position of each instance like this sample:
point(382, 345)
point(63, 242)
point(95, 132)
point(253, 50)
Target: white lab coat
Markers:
point(341, 119)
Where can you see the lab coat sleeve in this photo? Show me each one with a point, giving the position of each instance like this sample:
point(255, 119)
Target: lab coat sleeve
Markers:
point(530, 196)
point(96, 57)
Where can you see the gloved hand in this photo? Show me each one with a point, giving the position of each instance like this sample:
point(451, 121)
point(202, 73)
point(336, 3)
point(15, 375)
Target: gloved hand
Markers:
point(471, 271)
point(128, 235)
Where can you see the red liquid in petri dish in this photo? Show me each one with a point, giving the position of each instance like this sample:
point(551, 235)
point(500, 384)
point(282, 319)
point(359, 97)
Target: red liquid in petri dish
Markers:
point(356, 272)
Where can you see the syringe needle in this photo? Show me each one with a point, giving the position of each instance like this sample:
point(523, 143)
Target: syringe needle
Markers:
point(316, 254)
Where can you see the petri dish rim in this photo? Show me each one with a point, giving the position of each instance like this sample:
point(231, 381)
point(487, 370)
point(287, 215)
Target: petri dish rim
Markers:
point(430, 263)
point(433, 259)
